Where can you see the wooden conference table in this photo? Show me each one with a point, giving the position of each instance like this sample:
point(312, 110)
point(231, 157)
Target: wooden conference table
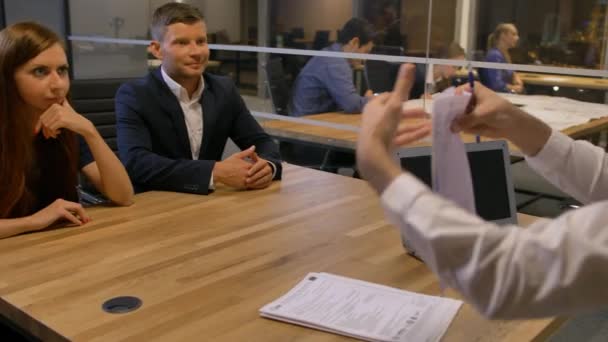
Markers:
point(564, 81)
point(204, 265)
point(346, 140)
point(551, 80)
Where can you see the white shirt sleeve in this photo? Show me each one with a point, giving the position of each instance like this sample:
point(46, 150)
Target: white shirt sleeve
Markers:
point(574, 166)
point(554, 267)
point(211, 185)
point(273, 167)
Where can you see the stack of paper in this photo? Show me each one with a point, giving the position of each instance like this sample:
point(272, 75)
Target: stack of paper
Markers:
point(451, 171)
point(558, 112)
point(363, 310)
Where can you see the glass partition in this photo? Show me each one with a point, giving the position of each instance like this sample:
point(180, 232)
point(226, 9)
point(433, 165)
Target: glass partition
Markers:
point(564, 33)
point(553, 48)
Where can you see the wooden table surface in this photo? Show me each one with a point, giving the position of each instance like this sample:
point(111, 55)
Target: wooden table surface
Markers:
point(204, 265)
point(347, 139)
point(564, 81)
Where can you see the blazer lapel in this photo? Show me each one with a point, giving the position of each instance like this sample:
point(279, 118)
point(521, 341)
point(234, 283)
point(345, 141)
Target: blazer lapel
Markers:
point(170, 105)
point(210, 114)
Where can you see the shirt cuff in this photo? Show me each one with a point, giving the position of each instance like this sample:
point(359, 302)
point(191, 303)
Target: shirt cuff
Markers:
point(402, 192)
point(211, 185)
point(274, 168)
point(552, 155)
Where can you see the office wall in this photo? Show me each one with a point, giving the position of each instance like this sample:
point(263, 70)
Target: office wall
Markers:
point(225, 14)
point(313, 15)
point(131, 19)
point(110, 18)
point(414, 14)
point(221, 15)
point(249, 11)
point(49, 13)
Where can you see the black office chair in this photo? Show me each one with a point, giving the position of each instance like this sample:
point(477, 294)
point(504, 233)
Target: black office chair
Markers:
point(321, 40)
point(292, 65)
point(277, 85)
point(381, 75)
point(297, 32)
point(94, 99)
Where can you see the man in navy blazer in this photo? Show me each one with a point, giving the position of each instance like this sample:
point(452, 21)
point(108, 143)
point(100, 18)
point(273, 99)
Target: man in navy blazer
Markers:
point(173, 124)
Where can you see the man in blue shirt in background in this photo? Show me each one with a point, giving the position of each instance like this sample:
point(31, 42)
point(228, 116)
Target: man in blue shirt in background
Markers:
point(326, 84)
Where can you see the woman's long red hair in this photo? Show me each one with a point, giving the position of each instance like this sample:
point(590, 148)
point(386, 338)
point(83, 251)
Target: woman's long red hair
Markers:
point(22, 154)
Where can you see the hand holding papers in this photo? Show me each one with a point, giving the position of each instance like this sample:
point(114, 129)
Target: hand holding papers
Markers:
point(451, 171)
point(363, 310)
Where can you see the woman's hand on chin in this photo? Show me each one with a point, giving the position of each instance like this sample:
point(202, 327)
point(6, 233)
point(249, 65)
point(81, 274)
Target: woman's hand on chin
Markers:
point(60, 116)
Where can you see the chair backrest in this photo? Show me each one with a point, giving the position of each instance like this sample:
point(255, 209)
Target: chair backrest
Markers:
point(292, 65)
point(94, 99)
point(321, 40)
point(297, 32)
point(381, 75)
point(277, 85)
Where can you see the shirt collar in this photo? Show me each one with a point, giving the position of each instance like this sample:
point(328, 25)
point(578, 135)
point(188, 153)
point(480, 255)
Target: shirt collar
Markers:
point(334, 47)
point(180, 92)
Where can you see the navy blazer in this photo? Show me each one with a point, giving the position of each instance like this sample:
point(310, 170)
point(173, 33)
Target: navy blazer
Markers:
point(153, 139)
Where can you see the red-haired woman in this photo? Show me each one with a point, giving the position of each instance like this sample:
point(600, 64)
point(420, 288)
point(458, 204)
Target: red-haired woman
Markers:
point(44, 143)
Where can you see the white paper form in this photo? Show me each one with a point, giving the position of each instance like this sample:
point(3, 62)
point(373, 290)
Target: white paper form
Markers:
point(450, 164)
point(363, 310)
point(558, 112)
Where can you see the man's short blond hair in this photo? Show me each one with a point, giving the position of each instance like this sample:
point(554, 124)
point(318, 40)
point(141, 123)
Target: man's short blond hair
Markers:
point(171, 13)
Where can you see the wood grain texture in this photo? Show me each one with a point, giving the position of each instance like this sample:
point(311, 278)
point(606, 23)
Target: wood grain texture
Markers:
point(347, 140)
point(564, 81)
point(204, 265)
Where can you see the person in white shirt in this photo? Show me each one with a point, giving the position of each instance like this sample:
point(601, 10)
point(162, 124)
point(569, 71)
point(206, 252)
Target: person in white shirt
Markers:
point(554, 267)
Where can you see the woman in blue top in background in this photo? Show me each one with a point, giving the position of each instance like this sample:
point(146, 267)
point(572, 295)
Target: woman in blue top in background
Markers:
point(505, 37)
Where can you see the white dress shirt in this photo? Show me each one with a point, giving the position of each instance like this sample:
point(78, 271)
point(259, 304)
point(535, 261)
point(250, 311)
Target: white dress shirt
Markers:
point(554, 267)
point(193, 111)
point(193, 116)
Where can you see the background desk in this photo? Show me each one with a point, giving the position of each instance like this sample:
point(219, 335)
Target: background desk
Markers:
point(204, 265)
point(588, 89)
point(555, 80)
point(564, 81)
point(346, 140)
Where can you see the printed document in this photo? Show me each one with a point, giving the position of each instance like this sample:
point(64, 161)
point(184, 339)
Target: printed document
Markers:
point(450, 164)
point(363, 310)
